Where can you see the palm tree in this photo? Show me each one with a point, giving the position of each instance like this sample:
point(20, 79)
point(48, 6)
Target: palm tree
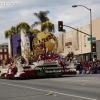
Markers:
point(64, 31)
point(14, 29)
point(42, 17)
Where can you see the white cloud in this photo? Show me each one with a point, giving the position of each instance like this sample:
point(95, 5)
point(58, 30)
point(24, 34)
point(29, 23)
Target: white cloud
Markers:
point(59, 10)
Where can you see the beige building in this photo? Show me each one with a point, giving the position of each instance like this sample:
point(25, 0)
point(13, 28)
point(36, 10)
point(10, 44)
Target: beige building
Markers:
point(77, 42)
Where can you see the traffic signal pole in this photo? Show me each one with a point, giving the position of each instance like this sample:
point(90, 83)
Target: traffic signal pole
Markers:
point(85, 34)
point(77, 30)
point(90, 25)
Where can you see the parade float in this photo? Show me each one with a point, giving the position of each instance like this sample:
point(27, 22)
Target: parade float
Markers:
point(42, 60)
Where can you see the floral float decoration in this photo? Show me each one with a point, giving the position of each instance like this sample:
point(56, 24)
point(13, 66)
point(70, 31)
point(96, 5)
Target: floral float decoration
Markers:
point(47, 56)
point(8, 33)
point(23, 28)
point(34, 31)
point(70, 56)
point(21, 25)
point(47, 25)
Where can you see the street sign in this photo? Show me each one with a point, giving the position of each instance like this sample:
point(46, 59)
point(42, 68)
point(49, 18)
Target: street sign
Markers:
point(91, 38)
point(95, 53)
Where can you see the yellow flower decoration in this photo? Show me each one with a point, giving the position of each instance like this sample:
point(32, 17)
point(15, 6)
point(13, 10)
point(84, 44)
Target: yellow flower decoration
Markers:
point(34, 31)
point(8, 32)
point(47, 23)
point(22, 25)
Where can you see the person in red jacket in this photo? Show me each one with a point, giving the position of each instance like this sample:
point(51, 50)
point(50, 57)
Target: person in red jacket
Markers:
point(12, 69)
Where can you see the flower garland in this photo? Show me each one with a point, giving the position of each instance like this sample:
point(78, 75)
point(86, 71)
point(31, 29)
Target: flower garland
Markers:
point(18, 28)
point(8, 32)
point(22, 25)
point(34, 31)
point(47, 56)
point(70, 56)
point(48, 25)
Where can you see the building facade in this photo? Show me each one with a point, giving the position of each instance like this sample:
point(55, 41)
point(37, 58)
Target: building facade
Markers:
point(3, 52)
point(77, 42)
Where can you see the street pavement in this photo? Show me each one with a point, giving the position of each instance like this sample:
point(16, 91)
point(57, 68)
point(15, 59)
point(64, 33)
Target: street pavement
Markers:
point(79, 79)
point(76, 87)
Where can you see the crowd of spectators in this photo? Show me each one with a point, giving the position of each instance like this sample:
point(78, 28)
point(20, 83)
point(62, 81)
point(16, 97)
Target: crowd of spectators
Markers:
point(88, 67)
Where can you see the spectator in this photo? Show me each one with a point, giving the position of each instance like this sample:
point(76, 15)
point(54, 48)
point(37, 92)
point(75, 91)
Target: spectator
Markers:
point(79, 67)
point(98, 68)
point(84, 70)
point(93, 69)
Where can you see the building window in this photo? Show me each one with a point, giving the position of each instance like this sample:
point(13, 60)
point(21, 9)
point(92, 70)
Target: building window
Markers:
point(5, 50)
point(1, 57)
point(5, 56)
point(0, 50)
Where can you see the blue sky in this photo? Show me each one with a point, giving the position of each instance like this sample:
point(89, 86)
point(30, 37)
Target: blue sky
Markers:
point(60, 10)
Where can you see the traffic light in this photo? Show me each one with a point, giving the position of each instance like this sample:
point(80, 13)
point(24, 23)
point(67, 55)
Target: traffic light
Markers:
point(60, 25)
point(93, 47)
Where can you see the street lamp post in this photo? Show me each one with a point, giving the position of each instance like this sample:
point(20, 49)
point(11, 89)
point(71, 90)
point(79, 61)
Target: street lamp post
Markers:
point(90, 25)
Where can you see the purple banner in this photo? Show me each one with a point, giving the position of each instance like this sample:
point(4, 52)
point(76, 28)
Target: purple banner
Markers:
point(15, 41)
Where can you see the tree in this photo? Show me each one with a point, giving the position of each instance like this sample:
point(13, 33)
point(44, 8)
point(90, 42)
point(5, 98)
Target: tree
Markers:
point(14, 29)
point(47, 26)
point(64, 30)
point(42, 17)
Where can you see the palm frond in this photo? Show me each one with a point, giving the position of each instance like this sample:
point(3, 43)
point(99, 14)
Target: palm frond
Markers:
point(36, 15)
point(46, 12)
point(42, 17)
point(14, 29)
point(64, 30)
point(35, 24)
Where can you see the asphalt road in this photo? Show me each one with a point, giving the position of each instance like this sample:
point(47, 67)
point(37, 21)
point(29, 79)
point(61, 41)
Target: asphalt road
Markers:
point(80, 87)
